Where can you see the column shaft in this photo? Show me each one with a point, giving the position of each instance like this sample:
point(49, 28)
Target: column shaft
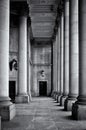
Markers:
point(82, 52)
point(22, 72)
point(79, 108)
point(74, 44)
point(62, 56)
point(5, 103)
point(55, 64)
point(4, 48)
point(62, 52)
point(29, 63)
point(59, 67)
point(23, 56)
point(66, 45)
point(66, 51)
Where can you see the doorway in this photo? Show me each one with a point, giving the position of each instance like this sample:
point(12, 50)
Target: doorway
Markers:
point(12, 90)
point(42, 88)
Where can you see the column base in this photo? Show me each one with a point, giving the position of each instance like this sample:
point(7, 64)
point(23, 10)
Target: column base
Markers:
point(59, 98)
point(56, 96)
point(69, 103)
point(79, 111)
point(22, 99)
point(7, 109)
point(52, 94)
point(30, 97)
point(62, 100)
point(61, 103)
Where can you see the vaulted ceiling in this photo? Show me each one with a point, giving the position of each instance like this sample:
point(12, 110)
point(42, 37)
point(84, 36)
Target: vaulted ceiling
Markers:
point(43, 16)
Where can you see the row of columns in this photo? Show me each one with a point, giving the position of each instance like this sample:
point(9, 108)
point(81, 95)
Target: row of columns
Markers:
point(7, 108)
point(72, 63)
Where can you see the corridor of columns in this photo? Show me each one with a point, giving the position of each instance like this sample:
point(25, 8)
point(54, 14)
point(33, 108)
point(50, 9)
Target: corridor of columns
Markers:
point(42, 64)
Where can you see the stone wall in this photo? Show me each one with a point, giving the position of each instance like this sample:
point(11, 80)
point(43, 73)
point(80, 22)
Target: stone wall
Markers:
point(41, 60)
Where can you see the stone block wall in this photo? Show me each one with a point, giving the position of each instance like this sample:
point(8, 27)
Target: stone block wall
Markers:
point(41, 61)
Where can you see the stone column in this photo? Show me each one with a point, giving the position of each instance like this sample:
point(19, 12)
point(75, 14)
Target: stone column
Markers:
point(54, 87)
point(22, 67)
point(62, 55)
point(29, 61)
point(79, 108)
point(73, 49)
point(55, 67)
point(66, 51)
point(59, 67)
point(7, 109)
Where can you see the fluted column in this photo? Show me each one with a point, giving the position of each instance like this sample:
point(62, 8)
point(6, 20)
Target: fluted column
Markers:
point(79, 108)
point(74, 50)
point(7, 109)
point(66, 51)
point(22, 67)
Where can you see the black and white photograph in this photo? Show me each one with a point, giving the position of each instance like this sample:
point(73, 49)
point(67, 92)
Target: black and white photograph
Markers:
point(42, 64)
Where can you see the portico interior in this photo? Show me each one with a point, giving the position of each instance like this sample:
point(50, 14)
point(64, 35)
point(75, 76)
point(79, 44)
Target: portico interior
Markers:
point(42, 53)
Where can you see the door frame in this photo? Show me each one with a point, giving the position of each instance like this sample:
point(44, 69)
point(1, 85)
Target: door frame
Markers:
point(42, 81)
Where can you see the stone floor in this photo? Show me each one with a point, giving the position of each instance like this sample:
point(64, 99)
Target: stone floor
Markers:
point(42, 114)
